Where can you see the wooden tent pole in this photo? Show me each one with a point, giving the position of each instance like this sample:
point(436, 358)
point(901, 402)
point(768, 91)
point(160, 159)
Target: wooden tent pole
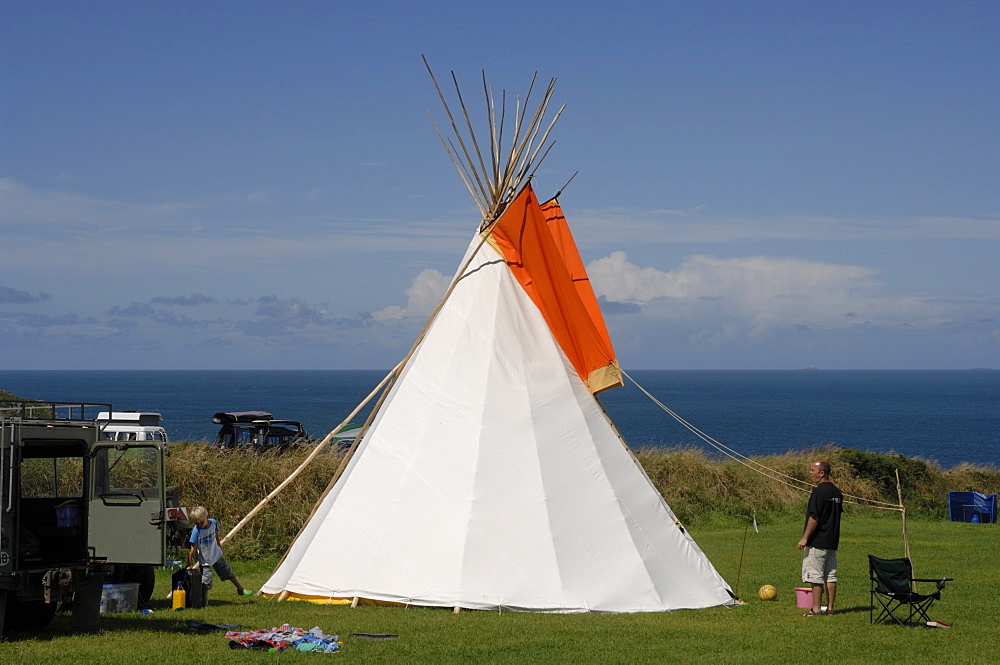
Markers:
point(321, 446)
point(902, 510)
point(492, 188)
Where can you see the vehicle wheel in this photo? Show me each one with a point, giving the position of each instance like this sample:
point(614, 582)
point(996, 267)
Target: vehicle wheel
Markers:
point(20, 616)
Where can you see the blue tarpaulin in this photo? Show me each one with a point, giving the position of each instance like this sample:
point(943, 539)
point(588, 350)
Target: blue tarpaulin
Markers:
point(972, 507)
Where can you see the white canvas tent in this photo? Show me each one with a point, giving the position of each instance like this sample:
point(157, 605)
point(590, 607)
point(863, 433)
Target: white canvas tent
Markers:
point(490, 476)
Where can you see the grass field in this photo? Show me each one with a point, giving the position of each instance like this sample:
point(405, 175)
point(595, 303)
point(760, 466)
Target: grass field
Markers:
point(772, 632)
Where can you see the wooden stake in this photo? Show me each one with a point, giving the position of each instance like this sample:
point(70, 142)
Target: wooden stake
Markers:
point(739, 571)
point(902, 510)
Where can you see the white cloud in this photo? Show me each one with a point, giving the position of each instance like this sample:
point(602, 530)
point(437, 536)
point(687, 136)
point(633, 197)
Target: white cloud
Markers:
point(763, 312)
point(759, 293)
point(422, 297)
point(750, 279)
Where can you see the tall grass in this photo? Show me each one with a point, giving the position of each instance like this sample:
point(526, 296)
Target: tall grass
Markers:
point(231, 482)
point(699, 489)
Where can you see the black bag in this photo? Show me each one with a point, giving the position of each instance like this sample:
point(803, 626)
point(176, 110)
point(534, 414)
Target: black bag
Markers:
point(190, 581)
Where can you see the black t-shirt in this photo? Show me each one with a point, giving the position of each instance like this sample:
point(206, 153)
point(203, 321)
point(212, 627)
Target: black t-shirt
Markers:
point(826, 503)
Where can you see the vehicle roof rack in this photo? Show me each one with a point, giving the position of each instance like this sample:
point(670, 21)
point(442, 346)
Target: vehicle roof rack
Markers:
point(28, 409)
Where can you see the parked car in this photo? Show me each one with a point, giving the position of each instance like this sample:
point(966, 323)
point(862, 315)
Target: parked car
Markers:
point(131, 426)
point(344, 438)
point(257, 429)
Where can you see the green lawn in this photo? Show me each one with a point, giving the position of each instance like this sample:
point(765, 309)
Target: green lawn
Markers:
point(772, 632)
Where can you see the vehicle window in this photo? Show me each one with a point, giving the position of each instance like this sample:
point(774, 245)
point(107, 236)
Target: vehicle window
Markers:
point(126, 469)
point(52, 476)
point(277, 439)
point(225, 437)
point(244, 436)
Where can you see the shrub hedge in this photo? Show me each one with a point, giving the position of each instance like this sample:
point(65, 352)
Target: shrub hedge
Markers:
point(698, 488)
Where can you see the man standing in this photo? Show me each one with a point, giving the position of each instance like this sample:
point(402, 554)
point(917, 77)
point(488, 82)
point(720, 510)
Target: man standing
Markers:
point(821, 538)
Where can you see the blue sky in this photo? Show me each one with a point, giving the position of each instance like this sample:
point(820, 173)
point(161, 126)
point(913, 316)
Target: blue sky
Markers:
point(258, 185)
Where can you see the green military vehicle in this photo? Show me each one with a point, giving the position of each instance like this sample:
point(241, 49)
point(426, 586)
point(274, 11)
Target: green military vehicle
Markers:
point(76, 512)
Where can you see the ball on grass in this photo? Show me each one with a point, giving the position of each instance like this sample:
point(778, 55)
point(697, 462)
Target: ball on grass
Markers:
point(767, 592)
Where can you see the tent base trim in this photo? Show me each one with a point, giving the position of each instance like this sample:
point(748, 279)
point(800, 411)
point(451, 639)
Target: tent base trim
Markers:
point(326, 600)
point(358, 600)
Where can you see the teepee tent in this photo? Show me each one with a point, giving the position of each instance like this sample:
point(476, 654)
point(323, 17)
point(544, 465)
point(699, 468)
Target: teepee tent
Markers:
point(490, 476)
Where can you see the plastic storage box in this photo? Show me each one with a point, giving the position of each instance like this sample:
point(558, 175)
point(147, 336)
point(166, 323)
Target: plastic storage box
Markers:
point(119, 598)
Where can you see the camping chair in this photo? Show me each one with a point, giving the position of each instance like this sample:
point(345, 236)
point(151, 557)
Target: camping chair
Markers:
point(892, 584)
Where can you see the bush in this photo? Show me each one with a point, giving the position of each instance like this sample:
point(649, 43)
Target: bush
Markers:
point(700, 489)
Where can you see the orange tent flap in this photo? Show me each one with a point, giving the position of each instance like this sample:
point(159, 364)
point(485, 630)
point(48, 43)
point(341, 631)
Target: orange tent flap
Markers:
point(571, 258)
point(538, 262)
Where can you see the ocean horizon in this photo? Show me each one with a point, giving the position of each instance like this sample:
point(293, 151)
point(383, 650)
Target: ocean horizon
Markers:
point(944, 416)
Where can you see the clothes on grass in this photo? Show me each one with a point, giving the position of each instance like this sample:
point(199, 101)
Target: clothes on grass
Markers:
point(284, 637)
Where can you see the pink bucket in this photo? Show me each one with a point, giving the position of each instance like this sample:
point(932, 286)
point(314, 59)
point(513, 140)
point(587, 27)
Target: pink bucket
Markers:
point(803, 597)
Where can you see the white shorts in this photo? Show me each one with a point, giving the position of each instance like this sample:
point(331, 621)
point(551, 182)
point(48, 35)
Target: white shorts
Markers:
point(819, 566)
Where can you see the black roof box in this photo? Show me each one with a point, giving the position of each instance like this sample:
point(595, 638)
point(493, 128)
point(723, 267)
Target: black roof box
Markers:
point(240, 417)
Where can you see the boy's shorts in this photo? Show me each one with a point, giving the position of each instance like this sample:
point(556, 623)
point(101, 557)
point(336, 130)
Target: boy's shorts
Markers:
point(819, 566)
point(221, 567)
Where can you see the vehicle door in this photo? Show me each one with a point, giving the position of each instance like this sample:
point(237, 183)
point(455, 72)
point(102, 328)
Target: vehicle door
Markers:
point(127, 500)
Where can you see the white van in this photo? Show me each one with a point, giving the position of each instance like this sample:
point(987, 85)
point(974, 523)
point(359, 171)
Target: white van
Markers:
point(131, 426)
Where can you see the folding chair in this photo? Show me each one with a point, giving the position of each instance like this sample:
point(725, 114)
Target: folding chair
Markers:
point(892, 585)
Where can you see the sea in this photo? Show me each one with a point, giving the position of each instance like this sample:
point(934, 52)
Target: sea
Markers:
point(941, 416)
